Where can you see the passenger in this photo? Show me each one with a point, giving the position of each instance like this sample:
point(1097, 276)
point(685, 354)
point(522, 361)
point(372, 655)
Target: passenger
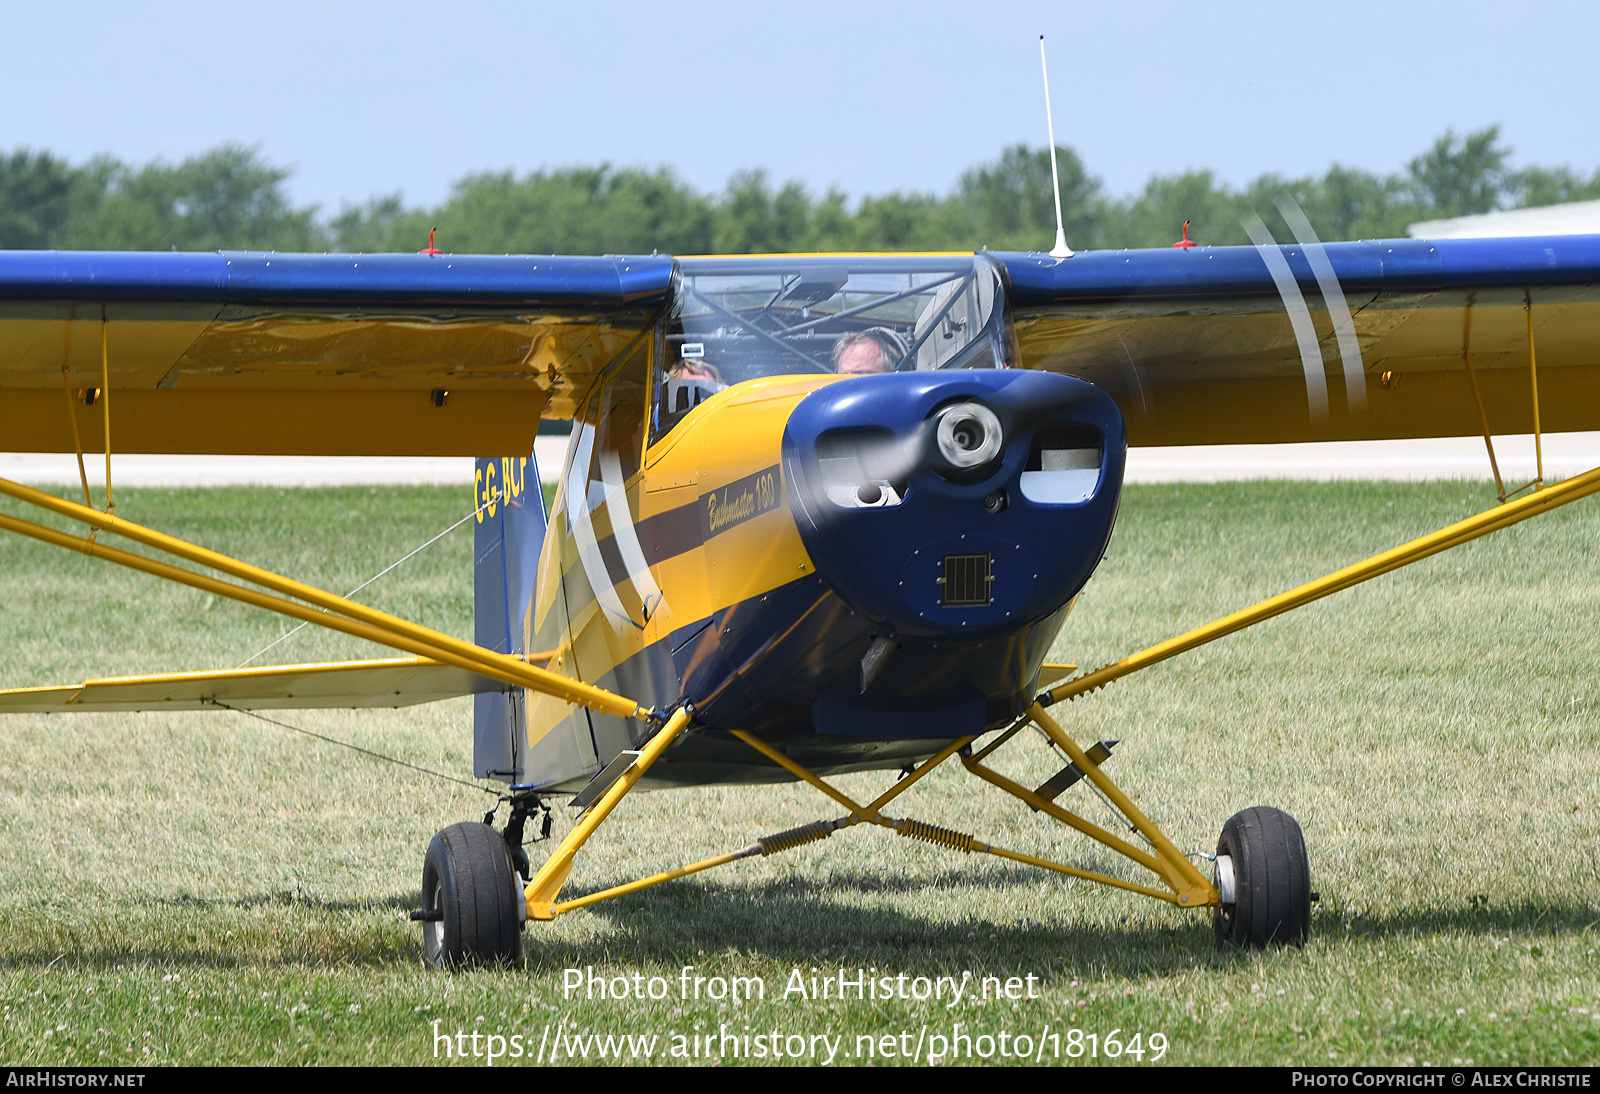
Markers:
point(868, 352)
point(690, 381)
point(697, 368)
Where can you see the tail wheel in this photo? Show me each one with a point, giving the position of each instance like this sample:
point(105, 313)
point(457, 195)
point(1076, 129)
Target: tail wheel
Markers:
point(471, 899)
point(1264, 879)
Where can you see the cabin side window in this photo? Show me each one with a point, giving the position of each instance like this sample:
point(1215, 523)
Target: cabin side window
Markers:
point(605, 453)
point(607, 444)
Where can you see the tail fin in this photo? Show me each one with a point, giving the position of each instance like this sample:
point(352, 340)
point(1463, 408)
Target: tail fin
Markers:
point(508, 537)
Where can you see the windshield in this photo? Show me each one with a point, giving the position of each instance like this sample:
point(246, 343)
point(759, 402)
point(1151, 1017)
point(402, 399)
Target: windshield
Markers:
point(737, 319)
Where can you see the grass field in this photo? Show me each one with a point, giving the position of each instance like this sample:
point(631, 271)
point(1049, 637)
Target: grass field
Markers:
point(210, 889)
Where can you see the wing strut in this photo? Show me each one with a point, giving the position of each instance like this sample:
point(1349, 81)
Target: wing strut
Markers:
point(1490, 520)
point(1477, 397)
point(105, 403)
point(337, 613)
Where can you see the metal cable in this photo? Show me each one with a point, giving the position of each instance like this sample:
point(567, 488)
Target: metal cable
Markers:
point(1115, 812)
point(284, 637)
point(347, 744)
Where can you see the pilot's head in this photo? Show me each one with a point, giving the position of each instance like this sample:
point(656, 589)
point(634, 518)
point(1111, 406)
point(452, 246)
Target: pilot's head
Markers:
point(877, 349)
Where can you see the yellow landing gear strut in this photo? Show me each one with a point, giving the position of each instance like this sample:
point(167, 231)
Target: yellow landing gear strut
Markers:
point(1184, 884)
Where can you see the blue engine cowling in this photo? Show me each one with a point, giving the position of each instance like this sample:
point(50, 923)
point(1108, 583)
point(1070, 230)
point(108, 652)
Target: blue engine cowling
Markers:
point(963, 503)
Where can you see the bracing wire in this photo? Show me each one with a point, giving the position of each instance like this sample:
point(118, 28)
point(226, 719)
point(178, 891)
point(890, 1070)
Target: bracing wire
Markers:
point(1115, 812)
point(493, 499)
point(347, 744)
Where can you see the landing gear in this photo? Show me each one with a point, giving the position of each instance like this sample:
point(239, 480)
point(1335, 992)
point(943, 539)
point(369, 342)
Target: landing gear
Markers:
point(1264, 879)
point(471, 899)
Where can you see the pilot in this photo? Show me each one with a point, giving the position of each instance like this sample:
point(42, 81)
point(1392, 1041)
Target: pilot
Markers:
point(867, 352)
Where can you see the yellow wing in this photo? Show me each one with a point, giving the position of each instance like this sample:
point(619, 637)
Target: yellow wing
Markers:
point(1343, 341)
point(308, 354)
point(390, 682)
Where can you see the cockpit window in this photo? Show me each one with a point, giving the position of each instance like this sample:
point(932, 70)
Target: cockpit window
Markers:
point(737, 319)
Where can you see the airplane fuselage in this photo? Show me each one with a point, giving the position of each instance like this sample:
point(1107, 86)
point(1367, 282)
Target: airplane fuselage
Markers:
point(857, 568)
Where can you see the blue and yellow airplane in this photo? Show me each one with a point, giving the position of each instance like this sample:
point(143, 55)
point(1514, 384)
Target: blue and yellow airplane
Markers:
point(819, 513)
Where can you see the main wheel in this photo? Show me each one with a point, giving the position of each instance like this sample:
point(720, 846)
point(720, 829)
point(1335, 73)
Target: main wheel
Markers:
point(1265, 881)
point(468, 882)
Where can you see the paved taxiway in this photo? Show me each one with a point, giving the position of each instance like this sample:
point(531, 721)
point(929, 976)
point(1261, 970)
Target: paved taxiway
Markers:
point(1453, 458)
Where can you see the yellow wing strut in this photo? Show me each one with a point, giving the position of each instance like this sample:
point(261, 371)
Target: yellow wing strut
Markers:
point(346, 615)
point(1491, 520)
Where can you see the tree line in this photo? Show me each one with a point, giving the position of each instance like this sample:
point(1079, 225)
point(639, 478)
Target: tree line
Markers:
point(230, 198)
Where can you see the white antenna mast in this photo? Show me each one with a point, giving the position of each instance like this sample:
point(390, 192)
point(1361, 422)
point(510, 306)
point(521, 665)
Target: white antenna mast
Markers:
point(1060, 250)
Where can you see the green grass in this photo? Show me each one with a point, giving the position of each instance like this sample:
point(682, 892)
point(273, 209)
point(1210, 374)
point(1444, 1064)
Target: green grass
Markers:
point(209, 889)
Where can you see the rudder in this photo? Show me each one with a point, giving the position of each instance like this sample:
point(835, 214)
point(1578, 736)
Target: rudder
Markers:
point(507, 539)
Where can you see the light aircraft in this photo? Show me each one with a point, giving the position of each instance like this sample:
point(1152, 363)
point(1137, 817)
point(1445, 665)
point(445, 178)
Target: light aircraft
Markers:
point(819, 514)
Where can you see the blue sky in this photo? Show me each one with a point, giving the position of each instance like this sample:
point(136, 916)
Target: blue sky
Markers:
point(366, 99)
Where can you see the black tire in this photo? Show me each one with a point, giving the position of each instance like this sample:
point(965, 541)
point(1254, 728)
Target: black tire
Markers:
point(1272, 881)
point(468, 877)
